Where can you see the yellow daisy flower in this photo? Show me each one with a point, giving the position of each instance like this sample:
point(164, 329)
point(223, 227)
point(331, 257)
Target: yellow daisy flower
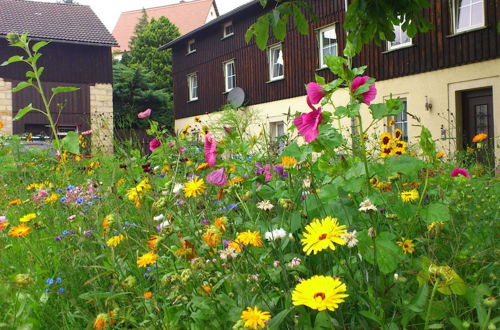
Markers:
point(385, 139)
point(20, 231)
point(194, 187)
point(115, 240)
point(409, 196)
point(288, 161)
point(249, 238)
point(28, 217)
point(147, 259)
point(398, 134)
point(255, 318)
point(321, 235)
point(201, 166)
point(211, 238)
point(406, 245)
point(320, 293)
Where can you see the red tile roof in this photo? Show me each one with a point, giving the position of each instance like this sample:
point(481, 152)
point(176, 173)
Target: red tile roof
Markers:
point(54, 21)
point(187, 15)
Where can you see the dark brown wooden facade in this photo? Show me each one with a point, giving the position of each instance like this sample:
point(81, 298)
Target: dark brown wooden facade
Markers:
point(434, 50)
point(66, 64)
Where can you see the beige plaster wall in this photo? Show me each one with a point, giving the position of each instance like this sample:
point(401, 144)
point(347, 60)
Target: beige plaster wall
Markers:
point(6, 107)
point(442, 88)
point(101, 117)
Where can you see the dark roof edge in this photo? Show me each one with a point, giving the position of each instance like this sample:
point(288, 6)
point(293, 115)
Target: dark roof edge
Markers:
point(67, 41)
point(211, 23)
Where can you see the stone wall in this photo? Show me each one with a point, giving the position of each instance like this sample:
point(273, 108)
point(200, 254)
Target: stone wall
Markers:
point(5, 107)
point(101, 117)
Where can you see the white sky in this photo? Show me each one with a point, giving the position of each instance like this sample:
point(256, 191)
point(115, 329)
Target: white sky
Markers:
point(109, 10)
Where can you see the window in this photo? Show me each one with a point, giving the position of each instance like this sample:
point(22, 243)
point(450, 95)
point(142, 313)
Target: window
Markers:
point(401, 121)
point(278, 134)
point(327, 44)
point(228, 29)
point(191, 47)
point(193, 86)
point(276, 64)
point(401, 39)
point(229, 75)
point(467, 15)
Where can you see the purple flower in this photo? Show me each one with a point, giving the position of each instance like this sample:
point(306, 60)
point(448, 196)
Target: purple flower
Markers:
point(205, 221)
point(226, 243)
point(281, 171)
point(460, 171)
point(259, 170)
point(217, 177)
point(267, 172)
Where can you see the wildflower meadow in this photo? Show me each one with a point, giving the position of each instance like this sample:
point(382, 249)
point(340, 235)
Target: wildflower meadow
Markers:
point(218, 227)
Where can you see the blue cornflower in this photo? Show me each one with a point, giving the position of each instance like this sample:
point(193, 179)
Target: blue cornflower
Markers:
point(161, 175)
point(79, 200)
point(65, 233)
point(70, 187)
point(232, 206)
point(59, 190)
point(47, 290)
point(58, 280)
point(63, 199)
point(90, 203)
point(61, 290)
point(49, 281)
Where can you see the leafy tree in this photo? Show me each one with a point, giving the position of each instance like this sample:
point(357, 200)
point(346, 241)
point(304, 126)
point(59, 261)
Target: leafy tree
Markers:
point(365, 21)
point(144, 50)
point(140, 26)
point(134, 90)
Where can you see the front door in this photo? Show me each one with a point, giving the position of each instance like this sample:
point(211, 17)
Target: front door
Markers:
point(478, 118)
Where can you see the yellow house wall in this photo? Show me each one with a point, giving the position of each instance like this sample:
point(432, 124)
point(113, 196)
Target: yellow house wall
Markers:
point(440, 88)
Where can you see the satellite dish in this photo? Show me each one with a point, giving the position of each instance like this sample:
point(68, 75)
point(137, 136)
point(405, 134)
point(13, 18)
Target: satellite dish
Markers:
point(236, 97)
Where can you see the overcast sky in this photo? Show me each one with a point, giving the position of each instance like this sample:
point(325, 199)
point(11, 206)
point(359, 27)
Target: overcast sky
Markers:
point(109, 10)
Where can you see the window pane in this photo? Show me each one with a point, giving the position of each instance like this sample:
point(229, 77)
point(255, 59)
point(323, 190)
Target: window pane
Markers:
point(463, 17)
point(477, 15)
point(277, 62)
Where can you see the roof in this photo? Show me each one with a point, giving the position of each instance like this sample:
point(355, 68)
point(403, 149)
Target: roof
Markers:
point(218, 20)
point(54, 21)
point(186, 15)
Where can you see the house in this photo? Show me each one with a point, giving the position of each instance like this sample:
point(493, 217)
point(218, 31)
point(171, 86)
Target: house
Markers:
point(186, 15)
point(448, 77)
point(79, 54)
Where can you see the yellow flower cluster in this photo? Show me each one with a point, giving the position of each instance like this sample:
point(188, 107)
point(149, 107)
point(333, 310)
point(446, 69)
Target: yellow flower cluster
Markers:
point(392, 145)
point(135, 194)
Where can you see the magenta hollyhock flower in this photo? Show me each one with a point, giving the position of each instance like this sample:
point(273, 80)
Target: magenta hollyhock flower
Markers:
point(460, 171)
point(153, 144)
point(267, 172)
point(308, 124)
point(369, 95)
point(210, 149)
point(314, 94)
point(145, 114)
point(217, 177)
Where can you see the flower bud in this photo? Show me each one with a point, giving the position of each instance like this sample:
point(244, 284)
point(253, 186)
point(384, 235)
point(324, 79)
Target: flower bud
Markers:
point(490, 302)
point(129, 282)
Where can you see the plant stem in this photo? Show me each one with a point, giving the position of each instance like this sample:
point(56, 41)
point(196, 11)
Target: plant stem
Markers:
point(427, 314)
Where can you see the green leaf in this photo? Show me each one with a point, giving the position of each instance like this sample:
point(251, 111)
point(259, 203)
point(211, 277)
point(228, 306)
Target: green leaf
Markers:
point(427, 143)
point(22, 85)
point(36, 47)
point(299, 153)
point(405, 164)
point(300, 20)
point(436, 212)
point(21, 113)
point(57, 90)
point(279, 28)
point(12, 59)
point(352, 110)
point(279, 318)
point(336, 64)
point(419, 302)
point(295, 222)
point(388, 253)
point(371, 316)
point(70, 143)
point(391, 107)
point(457, 323)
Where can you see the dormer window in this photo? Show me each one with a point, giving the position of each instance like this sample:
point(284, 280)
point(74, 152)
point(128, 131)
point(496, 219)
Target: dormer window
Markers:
point(191, 46)
point(228, 29)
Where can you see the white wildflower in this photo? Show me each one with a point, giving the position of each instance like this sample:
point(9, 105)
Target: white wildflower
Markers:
point(275, 234)
point(367, 206)
point(265, 205)
point(350, 238)
point(159, 217)
point(178, 188)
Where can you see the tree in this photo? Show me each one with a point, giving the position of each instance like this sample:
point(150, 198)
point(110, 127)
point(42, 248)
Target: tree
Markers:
point(144, 50)
point(134, 91)
point(366, 21)
point(140, 26)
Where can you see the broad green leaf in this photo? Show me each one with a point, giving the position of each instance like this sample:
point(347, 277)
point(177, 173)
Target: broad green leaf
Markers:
point(351, 110)
point(427, 143)
point(436, 212)
point(67, 89)
point(22, 85)
point(336, 64)
point(371, 316)
point(21, 113)
point(70, 143)
point(36, 47)
point(300, 20)
point(278, 319)
point(295, 222)
point(299, 153)
point(391, 107)
point(388, 253)
point(457, 323)
point(405, 164)
point(419, 302)
point(12, 59)
point(279, 28)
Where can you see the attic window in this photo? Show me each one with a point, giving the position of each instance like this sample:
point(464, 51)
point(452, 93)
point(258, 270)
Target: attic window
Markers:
point(191, 47)
point(228, 29)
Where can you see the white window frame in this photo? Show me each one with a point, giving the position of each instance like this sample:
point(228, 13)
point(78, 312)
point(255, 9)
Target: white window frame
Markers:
point(277, 130)
point(191, 46)
point(271, 62)
point(227, 88)
point(224, 34)
point(321, 31)
point(398, 31)
point(192, 81)
point(456, 15)
point(403, 123)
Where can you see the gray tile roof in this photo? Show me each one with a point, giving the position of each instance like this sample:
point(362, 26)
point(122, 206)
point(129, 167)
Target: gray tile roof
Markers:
point(54, 21)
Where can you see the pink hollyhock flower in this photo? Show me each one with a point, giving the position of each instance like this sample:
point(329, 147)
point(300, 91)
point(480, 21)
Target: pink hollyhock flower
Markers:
point(217, 177)
point(87, 132)
point(308, 124)
point(267, 172)
point(210, 149)
point(369, 95)
point(153, 144)
point(145, 114)
point(460, 171)
point(314, 94)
